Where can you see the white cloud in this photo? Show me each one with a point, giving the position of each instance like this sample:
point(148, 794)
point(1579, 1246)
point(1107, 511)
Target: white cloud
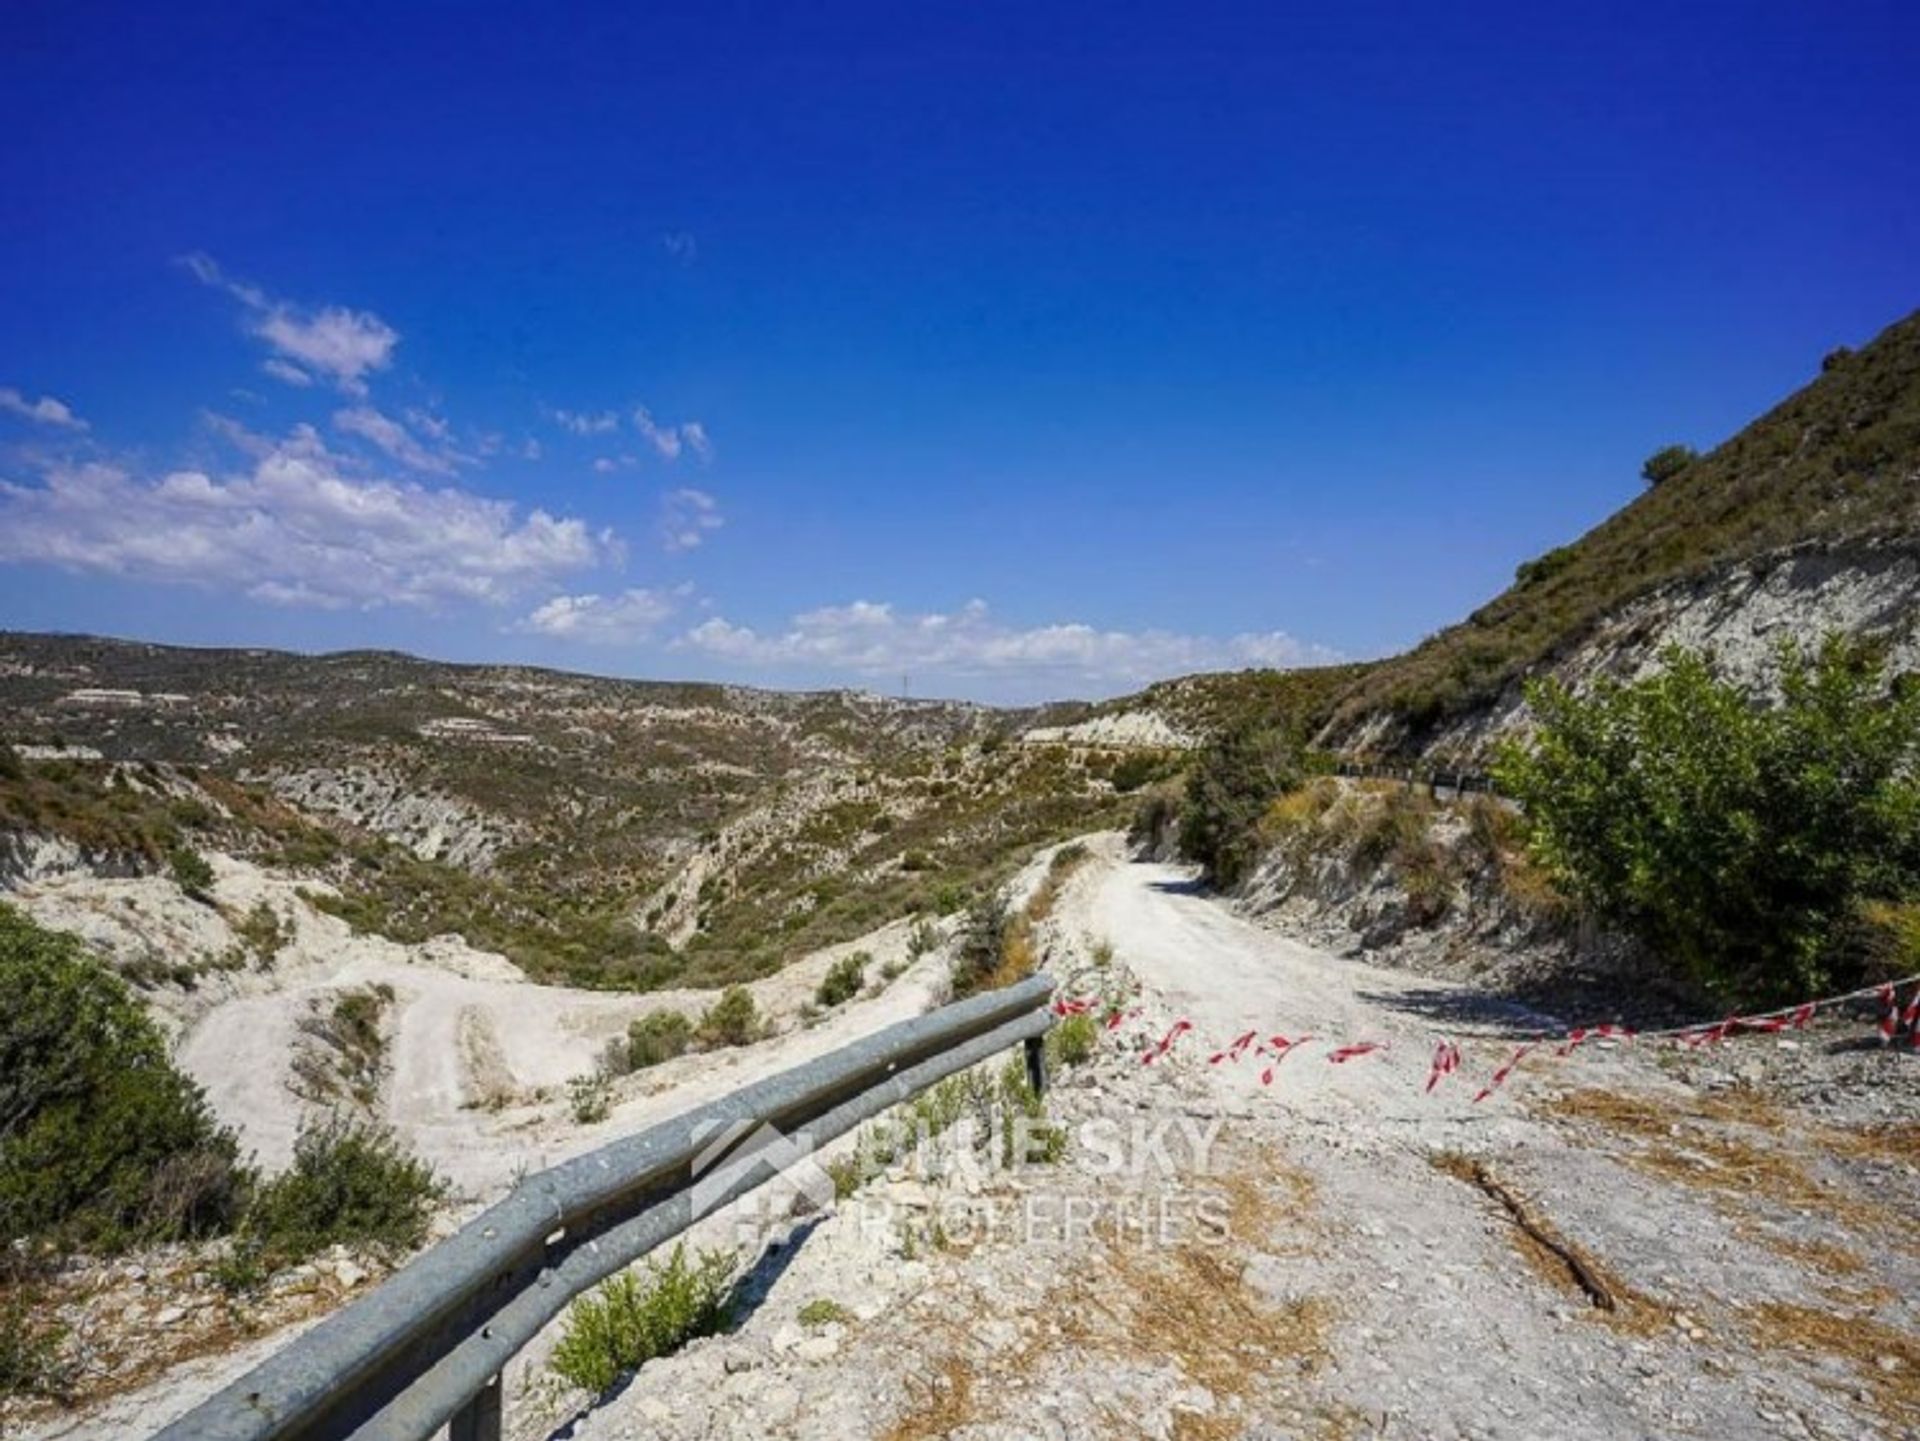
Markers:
point(341, 344)
point(392, 437)
point(531, 450)
point(687, 516)
point(44, 411)
point(631, 616)
point(436, 428)
point(873, 639)
point(669, 440)
point(681, 245)
point(286, 370)
point(585, 423)
point(665, 439)
point(296, 526)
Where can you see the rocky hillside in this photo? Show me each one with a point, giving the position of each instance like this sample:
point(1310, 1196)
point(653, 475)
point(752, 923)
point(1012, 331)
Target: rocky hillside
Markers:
point(600, 831)
point(1801, 523)
point(1806, 522)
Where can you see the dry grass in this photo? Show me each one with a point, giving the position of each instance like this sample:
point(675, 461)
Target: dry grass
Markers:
point(1695, 1142)
point(1189, 1306)
point(1885, 1358)
point(1193, 1305)
point(1899, 1141)
point(1828, 1257)
point(941, 1405)
point(1259, 1200)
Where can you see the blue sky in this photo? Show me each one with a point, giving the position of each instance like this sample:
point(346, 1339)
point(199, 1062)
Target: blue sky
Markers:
point(1023, 351)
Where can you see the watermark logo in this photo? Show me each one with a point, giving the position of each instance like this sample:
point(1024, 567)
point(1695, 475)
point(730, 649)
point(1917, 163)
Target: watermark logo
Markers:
point(736, 1154)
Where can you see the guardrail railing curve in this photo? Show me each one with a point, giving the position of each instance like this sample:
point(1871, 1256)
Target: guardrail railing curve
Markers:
point(427, 1348)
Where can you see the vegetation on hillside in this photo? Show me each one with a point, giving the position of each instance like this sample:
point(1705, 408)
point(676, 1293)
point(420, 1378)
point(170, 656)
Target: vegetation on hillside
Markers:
point(1239, 774)
point(1835, 461)
point(578, 800)
point(1770, 851)
point(105, 1145)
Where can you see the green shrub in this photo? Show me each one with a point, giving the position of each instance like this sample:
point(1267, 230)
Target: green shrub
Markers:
point(263, 932)
point(351, 1183)
point(1137, 769)
point(980, 947)
point(1664, 464)
point(1073, 1040)
point(843, 979)
point(733, 1020)
point(633, 1318)
point(1545, 567)
point(824, 1311)
point(103, 1143)
point(1235, 780)
point(190, 872)
point(657, 1036)
point(590, 1098)
point(1743, 842)
point(30, 1363)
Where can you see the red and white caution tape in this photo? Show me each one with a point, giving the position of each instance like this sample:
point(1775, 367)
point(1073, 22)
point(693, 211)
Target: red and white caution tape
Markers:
point(1446, 1060)
point(1180, 1028)
point(1500, 1076)
point(1282, 1048)
point(1354, 1052)
point(1235, 1049)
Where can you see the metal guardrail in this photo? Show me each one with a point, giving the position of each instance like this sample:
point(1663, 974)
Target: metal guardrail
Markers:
point(1435, 778)
point(427, 1348)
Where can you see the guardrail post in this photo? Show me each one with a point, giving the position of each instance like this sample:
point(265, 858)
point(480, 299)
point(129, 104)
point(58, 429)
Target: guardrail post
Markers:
point(1036, 1048)
point(479, 1419)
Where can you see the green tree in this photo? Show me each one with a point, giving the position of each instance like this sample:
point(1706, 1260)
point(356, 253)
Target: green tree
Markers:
point(1664, 464)
point(1236, 778)
point(1744, 842)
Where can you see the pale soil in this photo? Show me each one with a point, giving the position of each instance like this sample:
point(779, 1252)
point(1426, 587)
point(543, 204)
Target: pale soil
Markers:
point(1762, 1253)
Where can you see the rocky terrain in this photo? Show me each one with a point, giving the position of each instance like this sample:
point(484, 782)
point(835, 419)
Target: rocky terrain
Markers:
point(1309, 1246)
point(598, 832)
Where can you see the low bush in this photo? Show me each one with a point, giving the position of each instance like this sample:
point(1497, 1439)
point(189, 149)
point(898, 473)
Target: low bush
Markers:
point(633, 1318)
point(1746, 843)
point(190, 872)
point(350, 1183)
point(1667, 462)
point(103, 1143)
point(824, 1311)
point(981, 960)
point(843, 979)
point(733, 1020)
point(264, 933)
point(1230, 789)
point(590, 1098)
point(1072, 1042)
point(342, 1051)
point(1155, 820)
point(657, 1036)
point(30, 1363)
